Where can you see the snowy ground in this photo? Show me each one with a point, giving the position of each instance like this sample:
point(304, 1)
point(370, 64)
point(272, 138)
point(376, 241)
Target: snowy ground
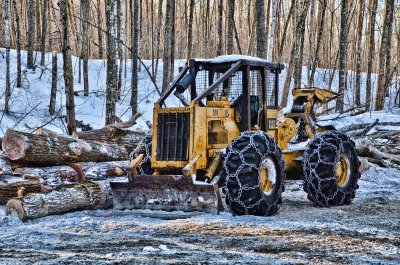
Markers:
point(366, 231)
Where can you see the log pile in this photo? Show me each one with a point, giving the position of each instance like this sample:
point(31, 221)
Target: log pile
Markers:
point(47, 173)
point(378, 142)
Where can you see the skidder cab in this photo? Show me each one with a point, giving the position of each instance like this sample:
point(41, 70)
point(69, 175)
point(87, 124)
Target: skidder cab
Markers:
point(225, 134)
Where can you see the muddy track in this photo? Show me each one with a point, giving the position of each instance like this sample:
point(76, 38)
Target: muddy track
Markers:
point(366, 231)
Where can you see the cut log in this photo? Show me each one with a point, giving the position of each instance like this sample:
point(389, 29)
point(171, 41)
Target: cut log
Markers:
point(114, 135)
point(92, 170)
point(75, 197)
point(36, 149)
point(9, 186)
point(366, 148)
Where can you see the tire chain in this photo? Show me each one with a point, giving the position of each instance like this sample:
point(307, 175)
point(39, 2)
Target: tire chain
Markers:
point(235, 175)
point(310, 166)
point(144, 147)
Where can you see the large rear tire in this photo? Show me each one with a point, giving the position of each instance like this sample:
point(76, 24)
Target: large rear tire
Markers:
point(330, 169)
point(144, 147)
point(253, 174)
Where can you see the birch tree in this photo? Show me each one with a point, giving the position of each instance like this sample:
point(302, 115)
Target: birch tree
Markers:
point(67, 67)
point(342, 55)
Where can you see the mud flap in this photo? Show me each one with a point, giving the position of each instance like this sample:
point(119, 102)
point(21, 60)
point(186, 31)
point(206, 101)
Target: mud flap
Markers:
point(165, 192)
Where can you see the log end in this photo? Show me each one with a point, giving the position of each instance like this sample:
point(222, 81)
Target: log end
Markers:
point(16, 205)
point(13, 145)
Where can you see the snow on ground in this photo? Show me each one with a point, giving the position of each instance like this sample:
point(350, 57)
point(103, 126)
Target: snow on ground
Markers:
point(367, 231)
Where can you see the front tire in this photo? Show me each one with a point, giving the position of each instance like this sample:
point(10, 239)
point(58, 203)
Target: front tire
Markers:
point(254, 174)
point(330, 169)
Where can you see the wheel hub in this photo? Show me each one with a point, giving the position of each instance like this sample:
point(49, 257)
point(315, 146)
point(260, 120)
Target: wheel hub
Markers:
point(267, 173)
point(343, 170)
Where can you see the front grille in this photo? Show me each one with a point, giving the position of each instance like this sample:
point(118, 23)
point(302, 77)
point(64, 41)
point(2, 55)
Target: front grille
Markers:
point(173, 136)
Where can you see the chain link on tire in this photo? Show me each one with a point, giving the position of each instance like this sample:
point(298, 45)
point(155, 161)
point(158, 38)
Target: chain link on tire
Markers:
point(320, 162)
point(144, 147)
point(241, 174)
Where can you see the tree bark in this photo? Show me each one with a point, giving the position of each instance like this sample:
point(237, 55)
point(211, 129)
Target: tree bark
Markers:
point(168, 43)
point(99, 30)
point(10, 184)
point(372, 6)
point(358, 52)
point(220, 20)
point(18, 42)
point(321, 23)
point(230, 25)
point(285, 27)
point(111, 61)
point(342, 55)
point(8, 43)
point(92, 171)
point(27, 148)
point(67, 66)
point(135, 51)
point(261, 36)
point(82, 196)
point(44, 31)
point(30, 33)
point(85, 8)
point(53, 93)
point(272, 30)
point(190, 31)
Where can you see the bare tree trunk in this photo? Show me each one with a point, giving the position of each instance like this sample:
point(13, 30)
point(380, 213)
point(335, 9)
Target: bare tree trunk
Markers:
point(220, 20)
point(230, 26)
point(121, 47)
point(283, 40)
point(358, 52)
point(7, 42)
point(384, 58)
point(261, 37)
point(272, 30)
point(111, 60)
point(321, 23)
point(135, 50)
point(342, 55)
point(99, 30)
point(44, 31)
point(190, 31)
point(67, 66)
point(30, 33)
point(168, 42)
point(18, 40)
point(160, 5)
point(85, 8)
point(373, 4)
point(301, 15)
point(53, 93)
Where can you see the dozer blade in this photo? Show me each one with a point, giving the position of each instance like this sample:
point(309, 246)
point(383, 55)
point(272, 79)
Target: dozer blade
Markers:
point(166, 192)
